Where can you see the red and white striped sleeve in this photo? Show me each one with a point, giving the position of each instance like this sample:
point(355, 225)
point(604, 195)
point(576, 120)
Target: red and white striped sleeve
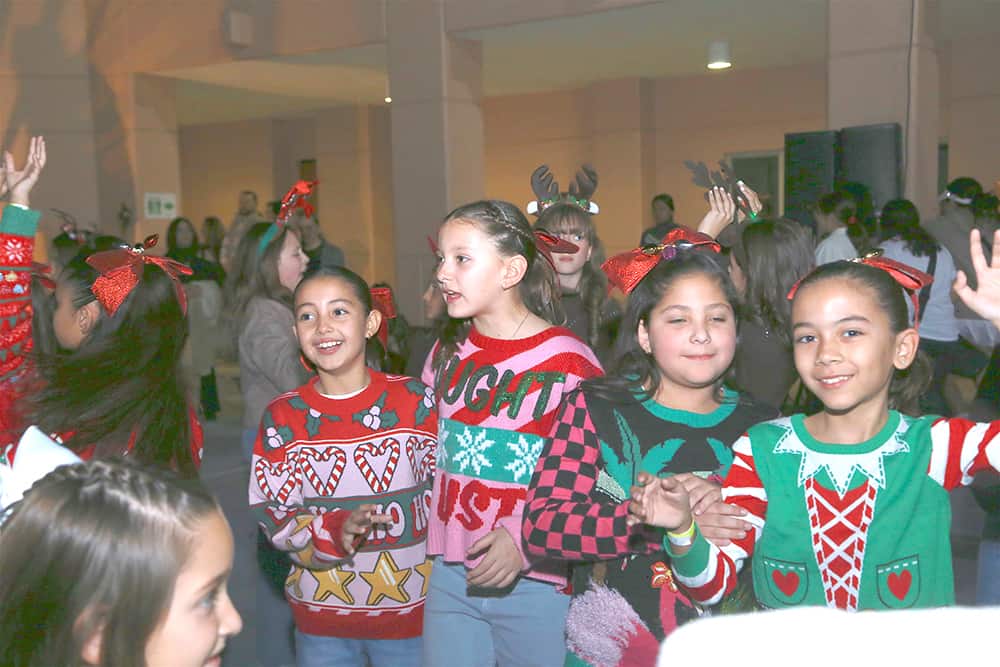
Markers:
point(709, 572)
point(960, 448)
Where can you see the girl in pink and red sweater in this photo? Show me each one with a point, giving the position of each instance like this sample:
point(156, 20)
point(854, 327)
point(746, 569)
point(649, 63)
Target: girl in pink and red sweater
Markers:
point(499, 371)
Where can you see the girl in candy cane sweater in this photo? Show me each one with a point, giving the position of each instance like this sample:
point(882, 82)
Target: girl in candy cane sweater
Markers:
point(340, 480)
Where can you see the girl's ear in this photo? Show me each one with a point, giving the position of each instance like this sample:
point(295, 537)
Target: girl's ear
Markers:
point(642, 335)
point(87, 316)
point(907, 343)
point(373, 322)
point(514, 269)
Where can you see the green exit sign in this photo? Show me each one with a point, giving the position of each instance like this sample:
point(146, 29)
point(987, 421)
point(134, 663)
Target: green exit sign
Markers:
point(162, 205)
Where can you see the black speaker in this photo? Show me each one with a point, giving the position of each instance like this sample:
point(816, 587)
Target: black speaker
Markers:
point(873, 155)
point(811, 161)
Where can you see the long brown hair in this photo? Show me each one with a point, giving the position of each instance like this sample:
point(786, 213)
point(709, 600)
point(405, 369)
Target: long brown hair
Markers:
point(94, 547)
point(255, 273)
point(511, 234)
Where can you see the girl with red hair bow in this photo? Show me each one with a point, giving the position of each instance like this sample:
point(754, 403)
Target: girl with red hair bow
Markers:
point(849, 505)
point(114, 387)
point(662, 410)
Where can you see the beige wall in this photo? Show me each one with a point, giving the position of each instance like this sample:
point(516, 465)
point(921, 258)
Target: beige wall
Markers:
point(218, 161)
point(973, 104)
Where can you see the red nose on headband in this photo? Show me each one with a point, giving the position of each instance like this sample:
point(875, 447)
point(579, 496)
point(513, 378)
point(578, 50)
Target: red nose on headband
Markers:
point(627, 269)
point(121, 270)
point(909, 278)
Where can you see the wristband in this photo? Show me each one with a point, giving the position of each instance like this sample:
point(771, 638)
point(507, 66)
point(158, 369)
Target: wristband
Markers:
point(684, 539)
point(16, 205)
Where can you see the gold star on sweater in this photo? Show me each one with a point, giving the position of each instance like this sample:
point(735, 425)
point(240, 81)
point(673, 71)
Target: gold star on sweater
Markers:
point(424, 570)
point(386, 580)
point(333, 582)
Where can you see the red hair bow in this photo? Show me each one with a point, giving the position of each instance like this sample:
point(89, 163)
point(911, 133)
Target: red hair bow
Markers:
point(909, 278)
point(383, 302)
point(295, 198)
point(548, 244)
point(43, 273)
point(625, 270)
point(121, 269)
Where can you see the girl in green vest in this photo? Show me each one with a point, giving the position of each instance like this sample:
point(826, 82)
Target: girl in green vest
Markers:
point(849, 505)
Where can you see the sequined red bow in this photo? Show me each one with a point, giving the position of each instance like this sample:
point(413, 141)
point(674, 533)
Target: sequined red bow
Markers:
point(121, 270)
point(295, 198)
point(383, 302)
point(909, 278)
point(548, 244)
point(627, 269)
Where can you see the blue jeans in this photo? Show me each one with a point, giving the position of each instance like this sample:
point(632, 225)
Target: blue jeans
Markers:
point(988, 582)
point(520, 626)
point(249, 437)
point(316, 651)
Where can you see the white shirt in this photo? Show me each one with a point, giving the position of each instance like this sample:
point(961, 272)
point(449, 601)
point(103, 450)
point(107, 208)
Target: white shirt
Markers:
point(836, 246)
point(938, 322)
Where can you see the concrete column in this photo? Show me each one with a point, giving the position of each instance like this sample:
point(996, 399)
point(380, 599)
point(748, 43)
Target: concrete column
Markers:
point(135, 121)
point(44, 89)
point(437, 134)
point(883, 67)
point(352, 156)
point(619, 121)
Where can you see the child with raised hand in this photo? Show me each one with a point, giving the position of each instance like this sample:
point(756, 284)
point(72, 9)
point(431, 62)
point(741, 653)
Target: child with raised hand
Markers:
point(340, 480)
point(107, 563)
point(849, 505)
point(500, 370)
point(661, 410)
point(114, 387)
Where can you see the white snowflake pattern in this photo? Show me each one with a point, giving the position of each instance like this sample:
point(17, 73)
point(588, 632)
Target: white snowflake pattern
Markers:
point(16, 252)
point(525, 456)
point(472, 452)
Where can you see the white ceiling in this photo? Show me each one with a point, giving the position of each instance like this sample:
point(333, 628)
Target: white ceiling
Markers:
point(668, 38)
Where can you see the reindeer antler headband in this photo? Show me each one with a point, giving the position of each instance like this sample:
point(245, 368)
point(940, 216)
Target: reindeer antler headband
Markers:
point(546, 189)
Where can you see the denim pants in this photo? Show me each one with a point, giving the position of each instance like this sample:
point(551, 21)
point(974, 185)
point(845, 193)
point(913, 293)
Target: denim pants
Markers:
point(316, 651)
point(988, 581)
point(520, 626)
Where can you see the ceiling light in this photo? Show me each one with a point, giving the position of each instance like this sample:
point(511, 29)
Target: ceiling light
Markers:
point(388, 100)
point(718, 56)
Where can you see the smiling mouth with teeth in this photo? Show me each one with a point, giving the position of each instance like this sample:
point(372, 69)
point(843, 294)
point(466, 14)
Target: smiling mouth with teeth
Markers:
point(834, 380)
point(329, 345)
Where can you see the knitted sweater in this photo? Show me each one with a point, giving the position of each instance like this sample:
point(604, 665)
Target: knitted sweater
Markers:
point(860, 526)
point(578, 504)
point(17, 246)
point(497, 401)
point(315, 460)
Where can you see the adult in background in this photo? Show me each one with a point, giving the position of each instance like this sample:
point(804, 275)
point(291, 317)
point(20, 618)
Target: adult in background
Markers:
point(246, 216)
point(321, 252)
point(663, 219)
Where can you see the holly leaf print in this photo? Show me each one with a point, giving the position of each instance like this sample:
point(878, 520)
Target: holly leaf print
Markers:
point(723, 453)
point(658, 458)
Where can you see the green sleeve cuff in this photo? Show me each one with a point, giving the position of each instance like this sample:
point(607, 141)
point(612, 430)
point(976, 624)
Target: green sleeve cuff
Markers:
point(19, 221)
point(694, 561)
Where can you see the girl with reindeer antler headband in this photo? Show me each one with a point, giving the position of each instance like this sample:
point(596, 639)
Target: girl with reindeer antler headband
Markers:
point(114, 388)
point(662, 410)
point(590, 313)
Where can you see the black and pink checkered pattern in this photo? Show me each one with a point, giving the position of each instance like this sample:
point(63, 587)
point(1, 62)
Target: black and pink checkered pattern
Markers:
point(563, 519)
